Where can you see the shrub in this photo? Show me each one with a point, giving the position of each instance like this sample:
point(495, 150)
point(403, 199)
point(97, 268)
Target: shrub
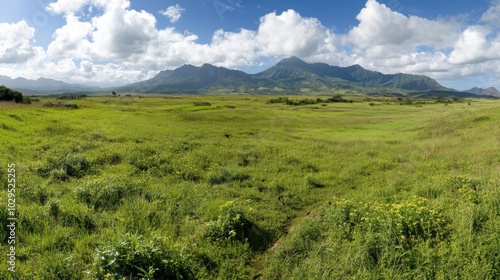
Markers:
point(314, 182)
point(200, 103)
point(406, 223)
point(103, 194)
point(62, 168)
point(7, 94)
point(134, 257)
point(60, 104)
point(152, 162)
point(231, 225)
point(227, 176)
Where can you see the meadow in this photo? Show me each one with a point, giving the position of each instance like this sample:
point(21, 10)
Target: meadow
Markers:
point(239, 187)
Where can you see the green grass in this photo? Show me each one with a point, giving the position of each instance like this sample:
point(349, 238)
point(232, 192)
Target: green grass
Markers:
point(245, 188)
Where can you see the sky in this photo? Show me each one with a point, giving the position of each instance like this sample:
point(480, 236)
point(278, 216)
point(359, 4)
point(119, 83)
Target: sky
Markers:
point(116, 42)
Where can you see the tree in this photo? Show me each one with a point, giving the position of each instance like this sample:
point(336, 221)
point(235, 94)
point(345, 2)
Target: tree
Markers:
point(7, 94)
point(114, 93)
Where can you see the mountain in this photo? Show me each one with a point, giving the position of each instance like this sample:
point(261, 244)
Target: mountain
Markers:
point(189, 78)
point(43, 85)
point(293, 67)
point(291, 75)
point(491, 91)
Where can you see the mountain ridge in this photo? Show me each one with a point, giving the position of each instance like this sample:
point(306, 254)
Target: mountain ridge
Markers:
point(43, 85)
point(291, 75)
point(491, 91)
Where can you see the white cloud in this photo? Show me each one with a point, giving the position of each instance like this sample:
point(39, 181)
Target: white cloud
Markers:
point(173, 13)
point(71, 40)
point(122, 45)
point(492, 14)
point(119, 33)
point(472, 47)
point(15, 42)
point(380, 26)
point(67, 6)
point(290, 34)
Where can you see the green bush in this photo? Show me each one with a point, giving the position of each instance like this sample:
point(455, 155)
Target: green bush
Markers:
point(227, 176)
point(103, 194)
point(200, 103)
point(7, 94)
point(65, 167)
point(133, 257)
point(231, 225)
point(406, 223)
point(150, 161)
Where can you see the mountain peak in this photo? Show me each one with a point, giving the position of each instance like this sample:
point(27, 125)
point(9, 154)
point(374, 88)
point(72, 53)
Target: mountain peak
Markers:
point(491, 91)
point(292, 61)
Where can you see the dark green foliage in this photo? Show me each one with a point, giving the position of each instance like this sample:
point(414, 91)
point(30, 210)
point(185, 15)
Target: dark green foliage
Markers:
point(4, 231)
point(63, 105)
point(307, 101)
point(232, 225)
point(7, 94)
point(104, 194)
point(134, 257)
point(247, 159)
point(201, 103)
point(152, 162)
point(314, 182)
point(226, 176)
point(66, 167)
point(112, 158)
point(7, 127)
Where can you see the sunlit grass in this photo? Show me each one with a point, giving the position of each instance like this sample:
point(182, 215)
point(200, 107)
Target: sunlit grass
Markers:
point(117, 169)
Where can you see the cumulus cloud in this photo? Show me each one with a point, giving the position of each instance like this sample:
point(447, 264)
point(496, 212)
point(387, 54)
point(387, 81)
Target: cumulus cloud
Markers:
point(472, 47)
point(15, 42)
point(71, 40)
point(492, 14)
point(67, 6)
point(380, 26)
point(121, 45)
point(290, 34)
point(173, 13)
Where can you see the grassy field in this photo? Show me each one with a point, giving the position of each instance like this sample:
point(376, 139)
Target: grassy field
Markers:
point(166, 187)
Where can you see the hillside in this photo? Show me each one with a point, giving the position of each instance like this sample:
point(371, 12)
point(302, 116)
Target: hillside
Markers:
point(292, 75)
point(232, 187)
point(43, 85)
point(491, 91)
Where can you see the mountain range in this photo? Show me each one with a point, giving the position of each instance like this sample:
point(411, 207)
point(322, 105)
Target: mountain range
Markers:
point(290, 75)
point(43, 85)
point(491, 91)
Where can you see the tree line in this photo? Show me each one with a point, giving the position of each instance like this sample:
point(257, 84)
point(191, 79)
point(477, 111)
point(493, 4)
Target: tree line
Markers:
point(7, 94)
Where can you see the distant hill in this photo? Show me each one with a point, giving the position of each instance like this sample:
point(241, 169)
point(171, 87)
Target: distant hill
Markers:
point(291, 75)
point(43, 86)
point(491, 91)
point(189, 78)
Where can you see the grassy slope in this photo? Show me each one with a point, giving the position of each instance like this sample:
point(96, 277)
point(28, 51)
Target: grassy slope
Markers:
point(161, 167)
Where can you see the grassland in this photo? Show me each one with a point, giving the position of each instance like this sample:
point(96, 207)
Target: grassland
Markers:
point(166, 187)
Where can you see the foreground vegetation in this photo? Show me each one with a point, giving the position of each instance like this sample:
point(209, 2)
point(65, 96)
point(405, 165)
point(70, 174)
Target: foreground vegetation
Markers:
point(242, 187)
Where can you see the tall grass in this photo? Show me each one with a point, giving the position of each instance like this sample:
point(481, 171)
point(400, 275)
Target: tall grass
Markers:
point(159, 188)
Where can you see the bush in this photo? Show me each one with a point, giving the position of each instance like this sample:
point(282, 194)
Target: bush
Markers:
point(65, 167)
point(133, 257)
point(231, 225)
point(150, 161)
point(405, 224)
point(103, 194)
point(60, 104)
point(7, 94)
point(199, 103)
point(225, 176)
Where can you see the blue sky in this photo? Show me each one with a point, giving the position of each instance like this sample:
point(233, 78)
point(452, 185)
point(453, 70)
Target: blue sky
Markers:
point(111, 42)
